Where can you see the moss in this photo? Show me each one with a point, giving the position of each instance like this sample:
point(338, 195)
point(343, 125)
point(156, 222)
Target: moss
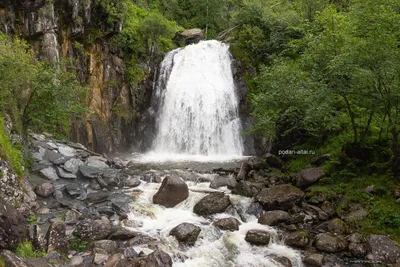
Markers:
point(9, 152)
point(25, 250)
point(2, 262)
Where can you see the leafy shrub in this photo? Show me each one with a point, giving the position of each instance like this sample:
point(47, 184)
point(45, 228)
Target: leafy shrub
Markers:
point(25, 250)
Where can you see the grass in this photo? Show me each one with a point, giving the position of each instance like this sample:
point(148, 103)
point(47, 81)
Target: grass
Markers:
point(10, 153)
point(78, 244)
point(25, 250)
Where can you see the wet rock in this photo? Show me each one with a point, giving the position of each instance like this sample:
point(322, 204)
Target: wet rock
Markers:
point(12, 226)
point(257, 237)
point(54, 157)
point(73, 189)
point(57, 239)
point(279, 197)
point(337, 226)
point(320, 159)
point(130, 253)
point(141, 239)
point(255, 209)
point(119, 163)
point(64, 174)
point(36, 235)
point(93, 229)
point(132, 182)
point(158, 259)
point(11, 260)
point(228, 224)
point(97, 162)
point(314, 260)
point(212, 203)
point(49, 173)
point(97, 197)
point(329, 208)
point(247, 189)
point(244, 168)
point(273, 160)
point(186, 233)
point(121, 233)
point(221, 181)
point(67, 151)
point(172, 191)
point(190, 36)
point(89, 172)
point(107, 246)
point(299, 239)
point(72, 165)
point(152, 178)
point(283, 261)
point(328, 242)
point(309, 176)
point(44, 190)
point(381, 247)
point(120, 202)
point(257, 164)
point(110, 177)
point(274, 217)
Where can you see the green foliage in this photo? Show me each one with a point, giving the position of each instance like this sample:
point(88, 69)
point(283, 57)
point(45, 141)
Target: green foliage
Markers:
point(9, 152)
point(2, 262)
point(25, 250)
point(78, 244)
point(37, 95)
point(31, 218)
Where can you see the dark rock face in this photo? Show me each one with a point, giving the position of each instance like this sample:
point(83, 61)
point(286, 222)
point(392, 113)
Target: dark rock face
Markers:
point(228, 224)
point(247, 189)
point(186, 233)
point(172, 191)
point(158, 259)
point(274, 217)
point(93, 229)
point(309, 176)
point(279, 197)
point(257, 237)
point(12, 227)
point(212, 203)
point(57, 238)
point(190, 36)
point(273, 160)
point(328, 242)
point(381, 247)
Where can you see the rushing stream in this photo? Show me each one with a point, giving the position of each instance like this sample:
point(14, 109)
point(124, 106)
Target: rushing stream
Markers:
point(198, 130)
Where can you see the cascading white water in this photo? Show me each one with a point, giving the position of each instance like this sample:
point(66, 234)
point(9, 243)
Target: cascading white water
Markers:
point(196, 101)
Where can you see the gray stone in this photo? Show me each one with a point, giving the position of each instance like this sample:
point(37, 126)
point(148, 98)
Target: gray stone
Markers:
point(132, 182)
point(73, 189)
point(57, 238)
point(279, 197)
point(186, 233)
point(130, 253)
point(72, 165)
point(12, 226)
point(121, 233)
point(299, 239)
point(44, 190)
point(97, 162)
point(90, 172)
point(172, 191)
point(356, 215)
point(314, 260)
point(64, 174)
point(273, 160)
point(274, 217)
point(66, 151)
point(228, 224)
point(108, 246)
point(257, 237)
point(212, 203)
point(49, 173)
point(158, 259)
point(381, 247)
point(190, 36)
point(221, 181)
point(93, 229)
point(247, 189)
point(76, 260)
point(328, 242)
point(11, 260)
point(309, 176)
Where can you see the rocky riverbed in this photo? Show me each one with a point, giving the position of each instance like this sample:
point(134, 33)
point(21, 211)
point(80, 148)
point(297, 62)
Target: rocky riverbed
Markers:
point(91, 210)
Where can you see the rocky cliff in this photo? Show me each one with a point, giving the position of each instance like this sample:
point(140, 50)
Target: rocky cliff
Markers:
point(79, 30)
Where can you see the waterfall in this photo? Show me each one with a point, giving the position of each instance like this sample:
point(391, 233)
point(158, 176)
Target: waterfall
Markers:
point(196, 104)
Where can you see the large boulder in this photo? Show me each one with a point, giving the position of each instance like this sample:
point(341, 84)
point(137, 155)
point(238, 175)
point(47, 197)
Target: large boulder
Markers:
point(158, 259)
point(12, 226)
point(273, 160)
point(172, 191)
point(258, 237)
point(279, 197)
point(381, 247)
point(57, 238)
point(298, 239)
point(89, 171)
point(189, 36)
point(314, 260)
point(274, 217)
point(309, 176)
point(228, 224)
point(328, 242)
point(212, 203)
point(11, 260)
point(93, 229)
point(186, 233)
point(247, 189)
point(72, 165)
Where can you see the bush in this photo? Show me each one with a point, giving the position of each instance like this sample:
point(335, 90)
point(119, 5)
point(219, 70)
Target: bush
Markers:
point(25, 250)
point(8, 152)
